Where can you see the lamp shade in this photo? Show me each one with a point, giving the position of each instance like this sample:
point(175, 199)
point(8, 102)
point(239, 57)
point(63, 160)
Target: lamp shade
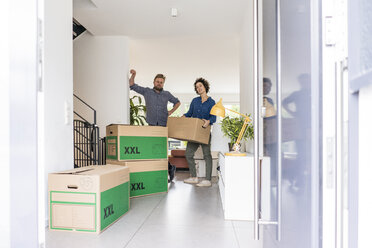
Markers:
point(218, 109)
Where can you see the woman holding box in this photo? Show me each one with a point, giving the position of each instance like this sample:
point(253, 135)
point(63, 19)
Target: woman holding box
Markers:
point(200, 108)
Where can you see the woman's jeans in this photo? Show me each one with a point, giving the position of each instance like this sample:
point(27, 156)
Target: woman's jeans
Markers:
point(190, 151)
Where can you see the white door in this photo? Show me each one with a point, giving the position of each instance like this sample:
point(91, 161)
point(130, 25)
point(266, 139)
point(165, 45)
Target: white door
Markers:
point(334, 193)
point(19, 125)
point(360, 134)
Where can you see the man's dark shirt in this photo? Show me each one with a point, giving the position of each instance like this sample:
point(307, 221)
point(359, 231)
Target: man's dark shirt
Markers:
point(156, 104)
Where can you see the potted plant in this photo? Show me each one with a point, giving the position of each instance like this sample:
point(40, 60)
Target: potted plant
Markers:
point(137, 112)
point(231, 127)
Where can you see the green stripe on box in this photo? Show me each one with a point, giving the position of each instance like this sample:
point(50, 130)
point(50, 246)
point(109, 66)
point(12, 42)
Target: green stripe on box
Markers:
point(73, 203)
point(139, 147)
point(112, 147)
point(82, 230)
point(114, 203)
point(148, 182)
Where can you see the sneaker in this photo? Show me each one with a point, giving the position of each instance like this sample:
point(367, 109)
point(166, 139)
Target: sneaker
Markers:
point(191, 180)
point(204, 183)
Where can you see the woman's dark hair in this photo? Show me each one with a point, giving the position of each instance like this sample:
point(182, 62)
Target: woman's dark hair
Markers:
point(204, 82)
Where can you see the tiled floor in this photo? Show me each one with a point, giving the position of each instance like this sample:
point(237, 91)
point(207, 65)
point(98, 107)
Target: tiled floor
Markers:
point(188, 216)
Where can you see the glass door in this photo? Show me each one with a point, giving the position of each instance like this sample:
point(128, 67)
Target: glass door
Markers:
point(290, 84)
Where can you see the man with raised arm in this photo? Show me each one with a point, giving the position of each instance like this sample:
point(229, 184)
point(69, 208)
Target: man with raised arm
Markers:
point(156, 105)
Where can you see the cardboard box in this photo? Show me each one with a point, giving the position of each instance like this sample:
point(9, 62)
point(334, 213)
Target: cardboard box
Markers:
point(188, 129)
point(127, 143)
point(146, 177)
point(88, 199)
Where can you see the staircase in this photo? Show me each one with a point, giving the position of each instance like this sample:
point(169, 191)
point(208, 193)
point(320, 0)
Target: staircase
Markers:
point(89, 148)
point(77, 29)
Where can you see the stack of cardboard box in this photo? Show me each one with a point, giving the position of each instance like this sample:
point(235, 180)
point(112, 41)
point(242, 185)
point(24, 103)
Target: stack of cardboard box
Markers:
point(144, 149)
point(90, 199)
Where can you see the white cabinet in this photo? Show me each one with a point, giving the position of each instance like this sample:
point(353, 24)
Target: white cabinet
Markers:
point(236, 185)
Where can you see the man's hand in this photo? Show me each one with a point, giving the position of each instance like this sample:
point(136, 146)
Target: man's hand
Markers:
point(132, 76)
point(206, 123)
point(170, 112)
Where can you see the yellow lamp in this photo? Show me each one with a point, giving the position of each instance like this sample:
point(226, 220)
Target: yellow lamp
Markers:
point(219, 110)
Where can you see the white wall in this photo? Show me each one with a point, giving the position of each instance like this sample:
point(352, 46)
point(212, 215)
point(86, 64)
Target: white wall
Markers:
point(246, 63)
point(57, 88)
point(101, 78)
point(183, 59)
point(246, 50)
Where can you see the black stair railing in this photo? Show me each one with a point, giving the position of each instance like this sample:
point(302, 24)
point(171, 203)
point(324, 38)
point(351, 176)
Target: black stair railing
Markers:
point(89, 148)
point(90, 107)
point(77, 29)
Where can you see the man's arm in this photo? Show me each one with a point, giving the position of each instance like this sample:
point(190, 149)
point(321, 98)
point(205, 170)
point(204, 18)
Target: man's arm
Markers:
point(133, 86)
point(175, 101)
point(175, 107)
point(132, 76)
point(286, 102)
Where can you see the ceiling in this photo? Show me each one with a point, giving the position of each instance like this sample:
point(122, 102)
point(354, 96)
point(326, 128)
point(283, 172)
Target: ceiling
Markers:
point(152, 18)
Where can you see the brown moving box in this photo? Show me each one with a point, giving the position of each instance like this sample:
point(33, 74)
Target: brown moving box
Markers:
point(188, 129)
point(128, 143)
point(146, 177)
point(88, 199)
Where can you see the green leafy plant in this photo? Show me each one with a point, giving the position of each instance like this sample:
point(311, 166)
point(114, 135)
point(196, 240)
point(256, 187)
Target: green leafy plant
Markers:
point(231, 127)
point(137, 112)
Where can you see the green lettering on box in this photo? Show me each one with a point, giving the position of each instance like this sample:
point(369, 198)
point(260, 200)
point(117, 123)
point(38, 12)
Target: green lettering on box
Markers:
point(139, 147)
point(114, 203)
point(148, 182)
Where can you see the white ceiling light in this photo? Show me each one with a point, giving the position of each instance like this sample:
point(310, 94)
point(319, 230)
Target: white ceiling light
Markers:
point(174, 12)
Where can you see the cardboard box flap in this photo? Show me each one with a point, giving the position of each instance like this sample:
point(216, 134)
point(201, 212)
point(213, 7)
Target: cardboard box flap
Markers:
point(102, 170)
point(117, 124)
point(91, 170)
point(136, 166)
point(114, 179)
point(89, 180)
point(130, 130)
point(75, 171)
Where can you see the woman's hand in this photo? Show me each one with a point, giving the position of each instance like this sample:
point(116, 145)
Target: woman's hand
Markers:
point(206, 123)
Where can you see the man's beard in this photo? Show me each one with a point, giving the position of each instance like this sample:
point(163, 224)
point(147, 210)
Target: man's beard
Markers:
point(157, 88)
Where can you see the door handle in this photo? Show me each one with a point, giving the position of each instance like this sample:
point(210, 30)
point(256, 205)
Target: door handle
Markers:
point(256, 118)
point(279, 120)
